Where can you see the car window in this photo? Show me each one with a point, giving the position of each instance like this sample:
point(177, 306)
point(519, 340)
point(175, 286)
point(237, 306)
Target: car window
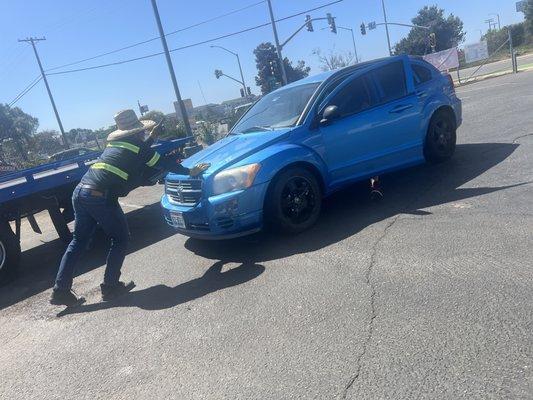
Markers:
point(421, 74)
point(391, 80)
point(354, 97)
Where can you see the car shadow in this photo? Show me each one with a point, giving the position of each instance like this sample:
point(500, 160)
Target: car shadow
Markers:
point(349, 211)
point(344, 214)
point(160, 297)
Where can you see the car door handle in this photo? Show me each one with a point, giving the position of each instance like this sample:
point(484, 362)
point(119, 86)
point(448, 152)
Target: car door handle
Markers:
point(421, 93)
point(401, 108)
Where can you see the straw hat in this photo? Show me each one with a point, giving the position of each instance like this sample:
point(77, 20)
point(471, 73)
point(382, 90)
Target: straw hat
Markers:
point(128, 124)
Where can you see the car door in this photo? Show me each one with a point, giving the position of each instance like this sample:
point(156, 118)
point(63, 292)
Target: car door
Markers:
point(398, 116)
point(347, 138)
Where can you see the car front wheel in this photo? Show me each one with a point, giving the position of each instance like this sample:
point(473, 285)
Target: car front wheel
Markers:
point(294, 201)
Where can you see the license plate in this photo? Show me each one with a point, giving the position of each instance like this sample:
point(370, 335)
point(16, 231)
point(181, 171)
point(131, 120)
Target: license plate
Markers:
point(177, 220)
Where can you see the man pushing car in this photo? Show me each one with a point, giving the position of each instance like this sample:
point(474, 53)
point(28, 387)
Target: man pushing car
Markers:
point(127, 163)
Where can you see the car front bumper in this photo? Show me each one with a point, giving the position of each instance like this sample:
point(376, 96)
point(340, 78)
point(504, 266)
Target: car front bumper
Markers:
point(224, 216)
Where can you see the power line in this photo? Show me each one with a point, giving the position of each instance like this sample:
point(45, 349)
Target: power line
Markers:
point(157, 37)
point(193, 44)
point(26, 90)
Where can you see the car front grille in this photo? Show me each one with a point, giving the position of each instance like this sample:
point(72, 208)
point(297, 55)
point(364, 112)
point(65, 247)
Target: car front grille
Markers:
point(187, 192)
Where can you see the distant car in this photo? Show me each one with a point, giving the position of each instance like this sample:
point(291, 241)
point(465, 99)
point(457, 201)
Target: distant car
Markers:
point(310, 138)
point(70, 153)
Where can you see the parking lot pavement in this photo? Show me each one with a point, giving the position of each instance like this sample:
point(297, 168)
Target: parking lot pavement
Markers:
point(425, 295)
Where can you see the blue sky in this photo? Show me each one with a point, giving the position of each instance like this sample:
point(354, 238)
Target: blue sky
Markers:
point(83, 28)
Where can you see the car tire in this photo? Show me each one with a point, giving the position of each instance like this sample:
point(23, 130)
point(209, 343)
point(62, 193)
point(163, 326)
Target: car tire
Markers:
point(441, 137)
point(293, 201)
point(9, 251)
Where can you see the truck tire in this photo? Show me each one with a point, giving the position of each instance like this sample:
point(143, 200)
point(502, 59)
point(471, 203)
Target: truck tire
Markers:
point(441, 137)
point(9, 251)
point(293, 201)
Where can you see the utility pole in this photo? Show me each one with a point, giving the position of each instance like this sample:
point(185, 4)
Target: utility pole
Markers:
point(32, 40)
point(278, 47)
point(386, 26)
point(497, 15)
point(183, 110)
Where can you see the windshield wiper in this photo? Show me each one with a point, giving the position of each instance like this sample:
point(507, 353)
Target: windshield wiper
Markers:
point(257, 128)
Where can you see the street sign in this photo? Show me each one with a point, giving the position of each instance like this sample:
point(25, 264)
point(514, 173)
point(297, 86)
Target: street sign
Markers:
point(476, 51)
point(372, 25)
point(444, 60)
point(521, 6)
point(144, 109)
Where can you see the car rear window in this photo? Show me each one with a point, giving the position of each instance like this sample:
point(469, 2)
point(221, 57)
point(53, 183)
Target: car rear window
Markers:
point(421, 74)
point(391, 81)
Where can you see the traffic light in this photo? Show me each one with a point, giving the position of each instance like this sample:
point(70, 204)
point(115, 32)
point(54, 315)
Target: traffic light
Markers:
point(331, 23)
point(432, 40)
point(363, 29)
point(309, 23)
point(242, 93)
point(273, 67)
point(218, 73)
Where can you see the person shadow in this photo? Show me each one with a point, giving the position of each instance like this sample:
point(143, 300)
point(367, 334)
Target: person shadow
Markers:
point(161, 297)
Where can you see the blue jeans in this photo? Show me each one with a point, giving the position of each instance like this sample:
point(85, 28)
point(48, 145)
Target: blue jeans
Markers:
point(90, 210)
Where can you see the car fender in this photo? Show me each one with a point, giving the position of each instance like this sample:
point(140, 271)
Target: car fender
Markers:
point(433, 103)
point(276, 158)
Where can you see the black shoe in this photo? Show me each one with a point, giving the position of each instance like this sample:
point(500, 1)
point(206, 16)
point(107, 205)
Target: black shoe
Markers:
point(110, 292)
point(65, 298)
point(376, 195)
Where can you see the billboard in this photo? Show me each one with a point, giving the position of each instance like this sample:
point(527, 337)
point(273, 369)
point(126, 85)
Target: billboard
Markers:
point(476, 51)
point(444, 60)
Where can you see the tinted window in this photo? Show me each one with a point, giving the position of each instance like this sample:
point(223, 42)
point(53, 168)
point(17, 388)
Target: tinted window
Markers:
point(354, 97)
point(421, 74)
point(391, 80)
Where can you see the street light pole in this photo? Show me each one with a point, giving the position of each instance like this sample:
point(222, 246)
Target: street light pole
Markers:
point(32, 41)
point(278, 47)
point(386, 26)
point(171, 70)
point(353, 40)
point(238, 62)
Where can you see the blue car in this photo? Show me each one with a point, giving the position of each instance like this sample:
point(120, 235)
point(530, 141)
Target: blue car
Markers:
point(310, 138)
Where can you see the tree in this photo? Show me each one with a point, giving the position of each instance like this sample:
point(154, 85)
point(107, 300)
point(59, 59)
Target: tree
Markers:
point(269, 75)
point(333, 60)
point(48, 142)
point(171, 125)
point(497, 37)
point(529, 16)
point(18, 127)
point(448, 32)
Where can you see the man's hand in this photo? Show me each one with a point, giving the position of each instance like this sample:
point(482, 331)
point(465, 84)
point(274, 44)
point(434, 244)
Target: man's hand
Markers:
point(198, 169)
point(157, 129)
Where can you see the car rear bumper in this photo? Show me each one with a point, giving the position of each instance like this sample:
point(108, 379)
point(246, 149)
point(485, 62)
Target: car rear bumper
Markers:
point(220, 217)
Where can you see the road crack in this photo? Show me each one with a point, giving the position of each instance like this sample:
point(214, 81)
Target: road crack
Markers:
point(368, 280)
point(515, 140)
point(373, 314)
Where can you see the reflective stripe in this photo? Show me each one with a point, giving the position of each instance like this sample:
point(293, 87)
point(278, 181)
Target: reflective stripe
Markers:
point(153, 161)
point(125, 145)
point(111, 168)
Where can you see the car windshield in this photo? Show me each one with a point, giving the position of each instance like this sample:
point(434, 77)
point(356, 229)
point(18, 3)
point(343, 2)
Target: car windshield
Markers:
point(276, 110)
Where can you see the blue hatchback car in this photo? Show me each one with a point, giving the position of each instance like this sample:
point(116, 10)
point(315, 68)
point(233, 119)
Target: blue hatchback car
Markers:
point(310, 138)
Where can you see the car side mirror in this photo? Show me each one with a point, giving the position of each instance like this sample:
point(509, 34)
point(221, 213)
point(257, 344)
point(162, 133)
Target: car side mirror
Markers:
point(330, 114)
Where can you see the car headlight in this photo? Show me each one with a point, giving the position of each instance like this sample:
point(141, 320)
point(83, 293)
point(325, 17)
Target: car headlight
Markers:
point(235, 178)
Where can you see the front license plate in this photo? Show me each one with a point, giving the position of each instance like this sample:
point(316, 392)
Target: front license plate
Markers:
point(177, 220)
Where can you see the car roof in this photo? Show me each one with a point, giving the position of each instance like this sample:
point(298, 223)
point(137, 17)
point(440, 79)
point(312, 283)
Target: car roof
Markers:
point(323, 76)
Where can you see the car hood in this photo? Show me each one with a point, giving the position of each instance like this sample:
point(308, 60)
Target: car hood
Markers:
point(234, 148)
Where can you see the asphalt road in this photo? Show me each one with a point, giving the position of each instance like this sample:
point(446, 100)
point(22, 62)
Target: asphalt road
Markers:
point(427, 295)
